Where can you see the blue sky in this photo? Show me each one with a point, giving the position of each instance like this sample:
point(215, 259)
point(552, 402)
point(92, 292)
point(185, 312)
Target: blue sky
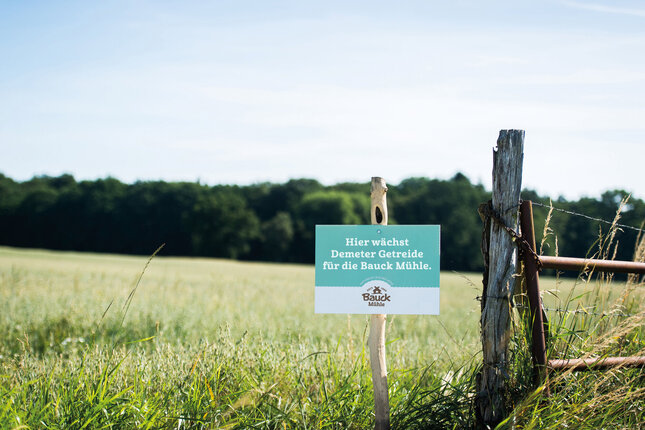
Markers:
point(247, 91)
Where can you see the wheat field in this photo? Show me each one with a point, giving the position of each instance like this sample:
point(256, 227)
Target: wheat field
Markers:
point(110, 341)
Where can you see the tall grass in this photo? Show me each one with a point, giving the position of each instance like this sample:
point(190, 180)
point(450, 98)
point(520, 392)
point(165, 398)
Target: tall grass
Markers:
point(596, 317)
point(209, 344)
point(87, 342)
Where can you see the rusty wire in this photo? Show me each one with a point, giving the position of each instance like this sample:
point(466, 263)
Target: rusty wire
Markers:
point(589, 217)
point(583, 312)
point(487, 211)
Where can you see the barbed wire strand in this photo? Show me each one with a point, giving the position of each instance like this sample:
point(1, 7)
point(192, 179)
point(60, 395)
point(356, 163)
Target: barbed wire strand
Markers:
point(565, 311)
point(589, 217)
point(581, 311)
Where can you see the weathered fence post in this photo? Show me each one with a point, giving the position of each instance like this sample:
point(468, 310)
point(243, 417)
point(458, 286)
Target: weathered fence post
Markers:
point(501, 269)
point(376, 339)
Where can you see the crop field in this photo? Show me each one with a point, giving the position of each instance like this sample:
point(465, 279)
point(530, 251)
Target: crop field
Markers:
point(53, 296)
point(108, 341)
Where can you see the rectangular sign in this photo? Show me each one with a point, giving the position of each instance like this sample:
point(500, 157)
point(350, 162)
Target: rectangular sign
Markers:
point(377, 269)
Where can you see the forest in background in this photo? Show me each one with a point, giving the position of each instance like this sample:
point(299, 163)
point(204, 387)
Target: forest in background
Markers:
point(275, 222)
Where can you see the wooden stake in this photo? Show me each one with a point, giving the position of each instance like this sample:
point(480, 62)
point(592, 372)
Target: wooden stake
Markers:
point(376, 339)
point(535, 314)
point(502, 255)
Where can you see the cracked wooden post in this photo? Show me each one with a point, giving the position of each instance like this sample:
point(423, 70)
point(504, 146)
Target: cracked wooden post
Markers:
point(376, 339)
point(498, 287)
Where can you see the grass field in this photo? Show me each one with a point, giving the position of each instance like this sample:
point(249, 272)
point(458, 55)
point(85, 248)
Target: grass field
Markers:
point(202, 343)
point(54, 296)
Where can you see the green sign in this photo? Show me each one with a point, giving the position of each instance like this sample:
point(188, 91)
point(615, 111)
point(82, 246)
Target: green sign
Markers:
point(377, 269)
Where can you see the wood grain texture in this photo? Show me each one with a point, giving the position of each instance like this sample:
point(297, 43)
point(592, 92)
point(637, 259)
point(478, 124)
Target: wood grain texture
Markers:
point(376, 340)
point(502, 267)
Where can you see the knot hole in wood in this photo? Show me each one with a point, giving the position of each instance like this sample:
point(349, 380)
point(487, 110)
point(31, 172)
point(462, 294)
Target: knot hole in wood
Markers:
point(378, 215)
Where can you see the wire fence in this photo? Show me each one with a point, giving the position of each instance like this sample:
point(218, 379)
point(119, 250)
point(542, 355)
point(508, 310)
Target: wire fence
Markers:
point(604, 221)
point(583, 312)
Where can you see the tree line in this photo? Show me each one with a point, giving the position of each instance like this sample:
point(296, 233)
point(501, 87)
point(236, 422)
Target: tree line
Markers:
point(275, 222)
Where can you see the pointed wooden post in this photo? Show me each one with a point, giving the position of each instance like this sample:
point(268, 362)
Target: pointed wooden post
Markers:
point(376, 339)
point(502, 261)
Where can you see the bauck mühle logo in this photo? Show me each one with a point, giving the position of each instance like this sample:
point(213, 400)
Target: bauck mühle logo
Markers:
point(376, 296)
